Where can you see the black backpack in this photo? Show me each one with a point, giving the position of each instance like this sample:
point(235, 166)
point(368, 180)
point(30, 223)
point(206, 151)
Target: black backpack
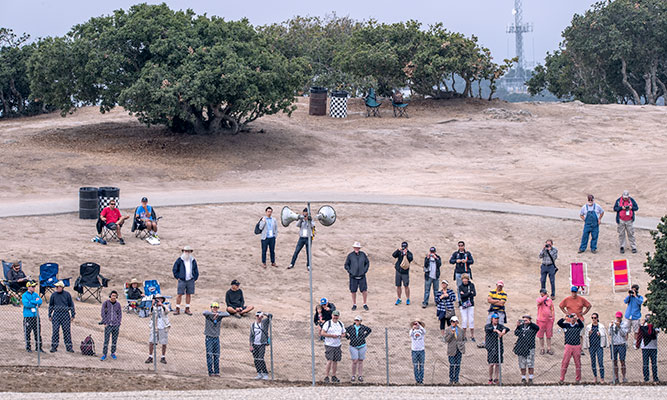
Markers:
point(88, 346)
point(257, 230)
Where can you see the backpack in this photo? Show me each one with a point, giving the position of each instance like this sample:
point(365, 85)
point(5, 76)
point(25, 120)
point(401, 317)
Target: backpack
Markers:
point(88, 346)
point(328, 326)
point(257, 230)
point(4, 298)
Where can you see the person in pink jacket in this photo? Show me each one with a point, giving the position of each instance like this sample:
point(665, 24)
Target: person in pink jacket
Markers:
point(545, 320)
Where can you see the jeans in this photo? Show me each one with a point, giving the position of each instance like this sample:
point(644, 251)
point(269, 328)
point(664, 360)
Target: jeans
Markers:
point(61, 320)
point(459, 281)
point(113, 332)
point(258, 351)
point(571, 351)
point(593, 230)
point(455, 367)
point(30, 324)
point(418, 359)
point(549, 270)
point(650, 355)
point(271, 244)
point(599, 355)
point(428, 282)
point(303, 241)
point(213, 354)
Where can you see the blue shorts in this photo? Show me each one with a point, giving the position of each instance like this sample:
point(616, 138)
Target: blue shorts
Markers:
point(619, 352)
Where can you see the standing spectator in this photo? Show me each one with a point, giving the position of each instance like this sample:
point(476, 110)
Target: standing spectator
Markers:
point(61, 314)
point(467, 295)
point(575, 304)
point(332, 331)
point(357, 335)
point(648, 341)
point(269, 227)
point(548, 255)
point(456, 347)
point(591, 213)
point(432, 264)
point(463, 260)
point(572, 330)
point(235, 301)
point(493, 342)
point(160, 332)
point(403, 258)
point(212, 338)
point(113, 220)
point(417, 333)
point(633, 312)
point(146, 218)
point(112, 315)
point(497, 299)
point(619, 337)
point(306, 227)
point(323, 313)
point(595, 340)
point(444, 301)
point(31, 302)
point(545, 320)
point(186, 272)
point(356, 265)
point(259, 339)
point(524, 347)
point(625, 207)
point(16, 278)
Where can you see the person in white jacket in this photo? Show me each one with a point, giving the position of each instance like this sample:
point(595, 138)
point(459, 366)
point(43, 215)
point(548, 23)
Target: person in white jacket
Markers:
point(595, 340)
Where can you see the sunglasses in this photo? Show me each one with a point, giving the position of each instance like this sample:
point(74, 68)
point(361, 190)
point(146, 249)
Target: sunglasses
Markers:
point(594, 317)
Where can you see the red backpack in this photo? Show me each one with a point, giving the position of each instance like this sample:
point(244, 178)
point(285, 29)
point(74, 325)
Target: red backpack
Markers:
point(88, 346)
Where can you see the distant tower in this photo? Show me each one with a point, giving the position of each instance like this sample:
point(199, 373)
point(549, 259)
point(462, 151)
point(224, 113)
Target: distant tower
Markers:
point(518, 28)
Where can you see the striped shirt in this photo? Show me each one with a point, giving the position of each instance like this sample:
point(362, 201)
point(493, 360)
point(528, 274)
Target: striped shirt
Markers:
point(446, 303)
point(497, 296)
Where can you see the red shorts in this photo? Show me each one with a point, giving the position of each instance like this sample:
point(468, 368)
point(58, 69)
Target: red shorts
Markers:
point(546, 327)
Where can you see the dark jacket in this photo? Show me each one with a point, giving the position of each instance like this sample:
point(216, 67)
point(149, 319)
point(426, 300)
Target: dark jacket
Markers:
point(61, 304)
point(264, 327)
point(398, 255)
point(357, 264)
point(134, 293)
point(460, 267)
point(491, 337)
point(525, 339)
point(234, 298)
point(572, 332)
point(427, 266)
point(360, 339)
point(618, 209)
point(179, 269)
point(326, 314)
point(14, 276)
point(112, 313)
point(467, 292)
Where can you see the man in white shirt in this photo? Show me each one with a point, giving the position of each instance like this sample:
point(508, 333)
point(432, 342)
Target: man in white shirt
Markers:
point(332, 331)
point(591, 213)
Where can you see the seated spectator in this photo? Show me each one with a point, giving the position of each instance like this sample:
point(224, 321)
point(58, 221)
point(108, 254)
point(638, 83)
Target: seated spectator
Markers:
point(235, 302)
point(113, 220)
point(16, 278)
point(146, 219)
point(133, 292)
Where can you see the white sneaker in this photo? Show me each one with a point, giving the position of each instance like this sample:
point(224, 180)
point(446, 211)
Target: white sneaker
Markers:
point(259, 376)
point(265, 377)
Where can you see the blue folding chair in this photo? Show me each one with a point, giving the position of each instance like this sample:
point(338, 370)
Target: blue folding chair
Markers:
point(152, 289)
point(372, 105)
point(48, 277)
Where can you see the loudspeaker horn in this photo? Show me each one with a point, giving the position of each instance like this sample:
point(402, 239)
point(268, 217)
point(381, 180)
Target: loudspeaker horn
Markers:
point(326, 215)
point(288, 216)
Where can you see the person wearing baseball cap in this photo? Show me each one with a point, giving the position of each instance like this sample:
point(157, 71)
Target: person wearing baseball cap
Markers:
point(357, 334)
point(356, 265)
point(186, 273)
point(524, 347)
point(456, 347)
point(403, 258)
point(591, 213)
point(212, 325)
point(432, 264)
point(332, 331)
point(31, 322)
point(493, 342)
point(618, 332)
point(323, 313)
point(497, 299)
point(545, 320)
point(626, 207)
point(462, 260)
point(145, 219)
point(235, 302)
point(572, 327)
point(259, 339)
point(575, 304)
point(61, 314)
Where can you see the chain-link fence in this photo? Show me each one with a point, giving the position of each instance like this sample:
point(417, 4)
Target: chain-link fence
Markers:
point(388, 351)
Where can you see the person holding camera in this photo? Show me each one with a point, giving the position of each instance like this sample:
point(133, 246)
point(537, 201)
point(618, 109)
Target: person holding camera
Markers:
point(648, 341)
point(545, 320)
point(572, 328)
point(432, 264)
point(625, 208)
point(160, 332)
point(524, 347)
point(633, 312)
point(403, 258)
point(417, 333)
point(462, 259)
point(444, 301)
point(548, 255)
point(618, 337)
point(591, 213)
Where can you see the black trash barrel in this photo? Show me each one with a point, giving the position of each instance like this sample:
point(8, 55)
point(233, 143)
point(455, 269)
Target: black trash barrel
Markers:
point(318, 101)
point(88, 203)
point(108, 193)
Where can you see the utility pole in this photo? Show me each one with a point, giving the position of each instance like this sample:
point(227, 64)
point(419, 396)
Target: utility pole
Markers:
point(518, 28)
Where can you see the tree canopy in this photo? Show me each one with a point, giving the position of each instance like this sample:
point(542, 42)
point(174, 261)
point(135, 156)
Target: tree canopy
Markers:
point(656, 268)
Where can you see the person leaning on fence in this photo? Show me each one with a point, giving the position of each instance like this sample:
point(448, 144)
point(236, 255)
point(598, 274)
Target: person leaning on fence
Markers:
point(493, 342)
point(545, 320)
point(112, 316)
point(159, 333)
point(31, 324)
point(444, 300)
point(61, 314)
point(235, 301)
point(269, 231)
point(625, 207)
point(497, 299)
point(548, 255)
point(648, 342)
point(619, 336)
point(186, 272)
point(467, 295)
point(595, 340)
point(212, 324)
point(417, 333)
point(572, 328)
point(356, 265)
point(432, 264)
point(403, 258)
point(332, 331)
point(524, 347)
point(259, 339)
point(456, 347)
point(357, 335)
point(633, 312)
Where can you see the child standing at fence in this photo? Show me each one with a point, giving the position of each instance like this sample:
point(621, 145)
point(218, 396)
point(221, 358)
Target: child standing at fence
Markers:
point(417, 333)
point(212, 334)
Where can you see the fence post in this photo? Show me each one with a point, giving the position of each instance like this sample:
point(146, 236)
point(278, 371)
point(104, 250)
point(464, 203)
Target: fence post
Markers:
point(613, 365)
point(309, 252)
point(155, 344)
point(386, 352)
point(500, 364)
point(39, 339)
point(271, 344)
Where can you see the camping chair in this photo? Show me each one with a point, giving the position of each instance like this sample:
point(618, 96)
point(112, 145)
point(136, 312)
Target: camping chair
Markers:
point(620, 274)
point(579, 277)
point(14, 294)
point(105, 233)
point(48, 277)
point(138, 226)
point(152, 289)
point(372, 105)
point(400, 107)
point(90, 282)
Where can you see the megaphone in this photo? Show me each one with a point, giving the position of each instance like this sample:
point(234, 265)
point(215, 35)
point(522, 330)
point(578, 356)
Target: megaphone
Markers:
point(326, 215)
point(287, 216)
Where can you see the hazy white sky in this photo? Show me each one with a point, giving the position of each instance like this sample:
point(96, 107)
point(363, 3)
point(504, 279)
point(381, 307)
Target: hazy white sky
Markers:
point(485, 18)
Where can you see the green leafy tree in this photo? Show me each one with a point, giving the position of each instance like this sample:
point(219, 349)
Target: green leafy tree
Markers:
point(656, 267)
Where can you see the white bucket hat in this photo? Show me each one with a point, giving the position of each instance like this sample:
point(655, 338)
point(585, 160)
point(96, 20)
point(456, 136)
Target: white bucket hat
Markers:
point(356, 244)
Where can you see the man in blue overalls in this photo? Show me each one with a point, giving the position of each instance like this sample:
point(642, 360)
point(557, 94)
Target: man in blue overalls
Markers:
point(591, 213)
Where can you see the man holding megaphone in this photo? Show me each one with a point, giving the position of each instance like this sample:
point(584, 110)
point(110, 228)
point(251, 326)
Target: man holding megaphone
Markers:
point(306, 229)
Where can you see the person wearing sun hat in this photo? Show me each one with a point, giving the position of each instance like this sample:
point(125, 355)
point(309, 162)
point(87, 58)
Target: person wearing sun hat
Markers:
point(356, 265)
point(259, 339)
point(357, 334)
point(159, 334)
point(212, 337)
point(134, 292)
point(186, 272)
point(61, 314)
point(31, 323)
